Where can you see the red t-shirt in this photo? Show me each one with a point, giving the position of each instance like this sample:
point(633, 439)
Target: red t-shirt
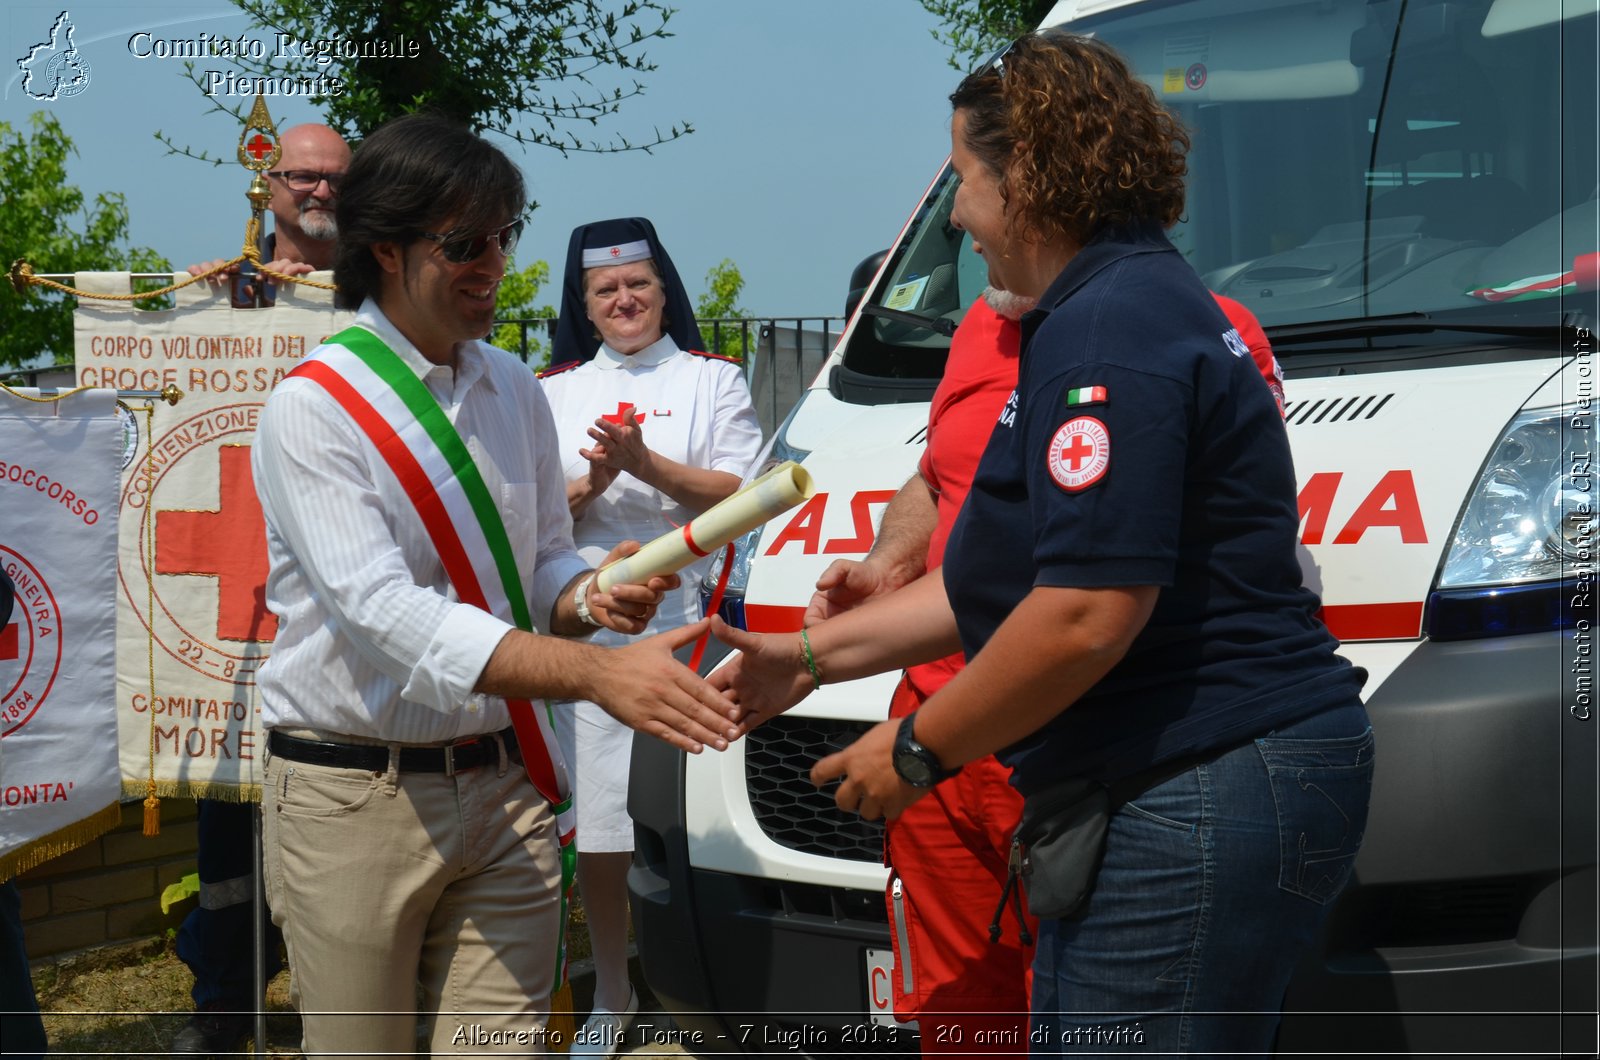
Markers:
point(979, 375)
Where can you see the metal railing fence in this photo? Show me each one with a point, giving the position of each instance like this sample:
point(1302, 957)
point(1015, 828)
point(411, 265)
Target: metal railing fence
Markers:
point(781, 355)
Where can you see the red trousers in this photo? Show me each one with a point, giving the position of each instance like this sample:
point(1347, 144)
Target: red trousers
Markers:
point(948, 855)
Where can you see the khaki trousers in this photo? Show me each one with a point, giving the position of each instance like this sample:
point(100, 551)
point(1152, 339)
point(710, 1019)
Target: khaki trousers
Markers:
point(382, 881)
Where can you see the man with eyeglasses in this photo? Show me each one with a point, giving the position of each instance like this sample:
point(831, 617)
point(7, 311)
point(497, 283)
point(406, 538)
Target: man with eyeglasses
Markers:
point(216, 940)
point(305, 186)
point(430, 600)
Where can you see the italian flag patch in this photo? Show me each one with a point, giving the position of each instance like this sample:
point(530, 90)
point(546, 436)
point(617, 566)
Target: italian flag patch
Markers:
point(1086, 395)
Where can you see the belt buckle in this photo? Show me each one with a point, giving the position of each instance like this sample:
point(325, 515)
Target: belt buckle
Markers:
point(449, 759)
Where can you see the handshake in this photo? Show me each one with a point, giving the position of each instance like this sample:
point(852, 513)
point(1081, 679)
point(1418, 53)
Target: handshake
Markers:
point(643, 684)
point(772, 672)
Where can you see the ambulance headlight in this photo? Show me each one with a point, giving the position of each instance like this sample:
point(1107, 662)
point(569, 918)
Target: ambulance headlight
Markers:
point(1532, 515)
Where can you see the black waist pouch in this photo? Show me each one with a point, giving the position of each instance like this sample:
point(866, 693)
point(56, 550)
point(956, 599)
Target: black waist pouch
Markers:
point(1062, 838)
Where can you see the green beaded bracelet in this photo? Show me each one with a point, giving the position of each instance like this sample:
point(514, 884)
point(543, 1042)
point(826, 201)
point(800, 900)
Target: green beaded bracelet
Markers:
point(811, 662)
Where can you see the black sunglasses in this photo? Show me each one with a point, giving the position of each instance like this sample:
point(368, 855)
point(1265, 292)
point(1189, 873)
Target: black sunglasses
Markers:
point(459, 249)
point(997, 62)
point(306, 179)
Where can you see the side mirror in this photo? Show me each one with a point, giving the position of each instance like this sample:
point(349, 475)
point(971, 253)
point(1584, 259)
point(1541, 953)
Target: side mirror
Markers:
point(860, 278)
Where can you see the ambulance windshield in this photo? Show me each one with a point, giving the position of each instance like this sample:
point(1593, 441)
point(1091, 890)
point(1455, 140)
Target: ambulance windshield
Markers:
point(1351, 160)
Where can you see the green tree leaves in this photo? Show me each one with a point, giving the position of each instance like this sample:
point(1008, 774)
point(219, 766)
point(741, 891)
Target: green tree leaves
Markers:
point(976, 29)
point(724, 283)
point(514, 301)
point(51, 223)
point(536, 71)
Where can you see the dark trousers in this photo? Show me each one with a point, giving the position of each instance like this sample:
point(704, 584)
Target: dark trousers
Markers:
point(215, 940)
point(21, 1029)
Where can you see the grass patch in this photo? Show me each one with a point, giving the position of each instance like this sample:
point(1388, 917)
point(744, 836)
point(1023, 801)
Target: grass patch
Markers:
point(132, 1000)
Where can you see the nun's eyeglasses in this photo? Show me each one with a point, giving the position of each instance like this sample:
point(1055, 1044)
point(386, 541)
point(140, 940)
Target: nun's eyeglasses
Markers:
point(458, 249)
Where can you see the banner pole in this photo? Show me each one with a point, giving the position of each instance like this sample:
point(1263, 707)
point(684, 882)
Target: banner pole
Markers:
point(170, 394)
point(258, 935)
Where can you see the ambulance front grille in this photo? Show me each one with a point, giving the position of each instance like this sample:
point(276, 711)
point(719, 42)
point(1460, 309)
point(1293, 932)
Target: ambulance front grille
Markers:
point(777, 760)
point(1335, 410)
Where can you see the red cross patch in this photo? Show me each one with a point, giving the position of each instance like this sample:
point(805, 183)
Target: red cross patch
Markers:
point(1079, 453)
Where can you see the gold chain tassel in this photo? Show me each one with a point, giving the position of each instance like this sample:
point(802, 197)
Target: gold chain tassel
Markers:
point(152, 812)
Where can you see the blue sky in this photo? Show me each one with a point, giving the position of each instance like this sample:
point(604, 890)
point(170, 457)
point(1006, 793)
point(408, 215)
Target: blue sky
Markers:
point(818, 124)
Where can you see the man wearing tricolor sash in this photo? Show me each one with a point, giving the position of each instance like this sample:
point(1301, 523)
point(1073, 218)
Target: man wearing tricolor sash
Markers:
point(430, 600)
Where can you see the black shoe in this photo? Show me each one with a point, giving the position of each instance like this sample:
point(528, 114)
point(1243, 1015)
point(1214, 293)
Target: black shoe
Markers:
point(213, 1032)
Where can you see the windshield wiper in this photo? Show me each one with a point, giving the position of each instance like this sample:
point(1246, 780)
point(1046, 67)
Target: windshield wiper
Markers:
point(941, 325)
point(1412, 324)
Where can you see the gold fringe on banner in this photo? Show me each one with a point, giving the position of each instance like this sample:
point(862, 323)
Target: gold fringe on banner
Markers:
point(185, 789)
point(61, 841)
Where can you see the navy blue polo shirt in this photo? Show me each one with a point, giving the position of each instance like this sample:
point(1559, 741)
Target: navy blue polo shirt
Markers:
point(1141, 448)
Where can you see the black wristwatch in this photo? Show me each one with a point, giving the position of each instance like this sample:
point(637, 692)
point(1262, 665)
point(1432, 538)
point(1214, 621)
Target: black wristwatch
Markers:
point(915, 764)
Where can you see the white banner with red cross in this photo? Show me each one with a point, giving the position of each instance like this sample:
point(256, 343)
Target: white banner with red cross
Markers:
point(193, 556)
point(58, 545)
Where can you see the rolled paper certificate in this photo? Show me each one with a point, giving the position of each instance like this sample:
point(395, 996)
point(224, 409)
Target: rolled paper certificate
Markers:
point(772, 494)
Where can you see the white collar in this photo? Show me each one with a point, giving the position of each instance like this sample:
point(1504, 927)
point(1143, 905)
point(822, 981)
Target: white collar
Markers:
point(657, 352)
point(470, 362)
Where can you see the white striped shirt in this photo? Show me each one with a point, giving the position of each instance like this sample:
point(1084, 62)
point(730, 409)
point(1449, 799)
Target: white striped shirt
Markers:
point(372, 640)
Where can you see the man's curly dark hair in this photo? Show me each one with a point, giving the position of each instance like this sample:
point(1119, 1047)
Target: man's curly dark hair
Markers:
point(1076, 140)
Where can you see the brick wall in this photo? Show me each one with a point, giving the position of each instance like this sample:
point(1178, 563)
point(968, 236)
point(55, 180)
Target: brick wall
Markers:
point(109, 891)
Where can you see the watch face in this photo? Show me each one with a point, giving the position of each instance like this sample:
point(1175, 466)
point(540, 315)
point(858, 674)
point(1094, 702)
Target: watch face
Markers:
point(913, 769)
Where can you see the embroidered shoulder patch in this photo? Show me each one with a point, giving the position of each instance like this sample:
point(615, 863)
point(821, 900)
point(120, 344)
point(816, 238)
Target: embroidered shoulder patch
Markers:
point(557, 369)
point(1080, 453)
point(1087, 395)
point(715, 356)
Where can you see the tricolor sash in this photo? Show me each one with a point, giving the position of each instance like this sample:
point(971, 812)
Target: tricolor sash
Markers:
point(417, 441)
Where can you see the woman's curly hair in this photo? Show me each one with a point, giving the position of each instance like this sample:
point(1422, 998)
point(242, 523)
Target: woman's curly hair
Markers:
point(1075, 139)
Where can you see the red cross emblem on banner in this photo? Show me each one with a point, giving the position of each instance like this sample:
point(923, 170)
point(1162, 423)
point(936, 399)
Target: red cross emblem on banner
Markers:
point(259, 147)
point(229, 544)
point(9, 641)
point(623, 408)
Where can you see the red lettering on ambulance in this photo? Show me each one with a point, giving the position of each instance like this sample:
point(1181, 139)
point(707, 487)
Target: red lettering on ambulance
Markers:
point(805, 527)
point(861, 511)
point(1392, 502)
point(1316, 504)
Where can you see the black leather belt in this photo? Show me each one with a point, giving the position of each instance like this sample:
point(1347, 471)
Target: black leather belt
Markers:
point(450, 759)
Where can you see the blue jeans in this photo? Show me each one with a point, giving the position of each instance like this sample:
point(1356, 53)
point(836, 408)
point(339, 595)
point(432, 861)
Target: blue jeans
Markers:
point(1214, 885)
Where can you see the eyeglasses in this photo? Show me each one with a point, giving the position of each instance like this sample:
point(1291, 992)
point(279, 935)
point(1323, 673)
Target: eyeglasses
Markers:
point(998, 62)
point(459, 249)
point(306, 179)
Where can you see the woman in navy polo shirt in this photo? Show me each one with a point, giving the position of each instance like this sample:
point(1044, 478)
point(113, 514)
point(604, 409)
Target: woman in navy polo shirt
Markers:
point(1124, 583)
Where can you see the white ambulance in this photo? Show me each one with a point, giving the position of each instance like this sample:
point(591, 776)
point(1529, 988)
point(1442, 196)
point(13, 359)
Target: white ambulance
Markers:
point(1405, 193)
